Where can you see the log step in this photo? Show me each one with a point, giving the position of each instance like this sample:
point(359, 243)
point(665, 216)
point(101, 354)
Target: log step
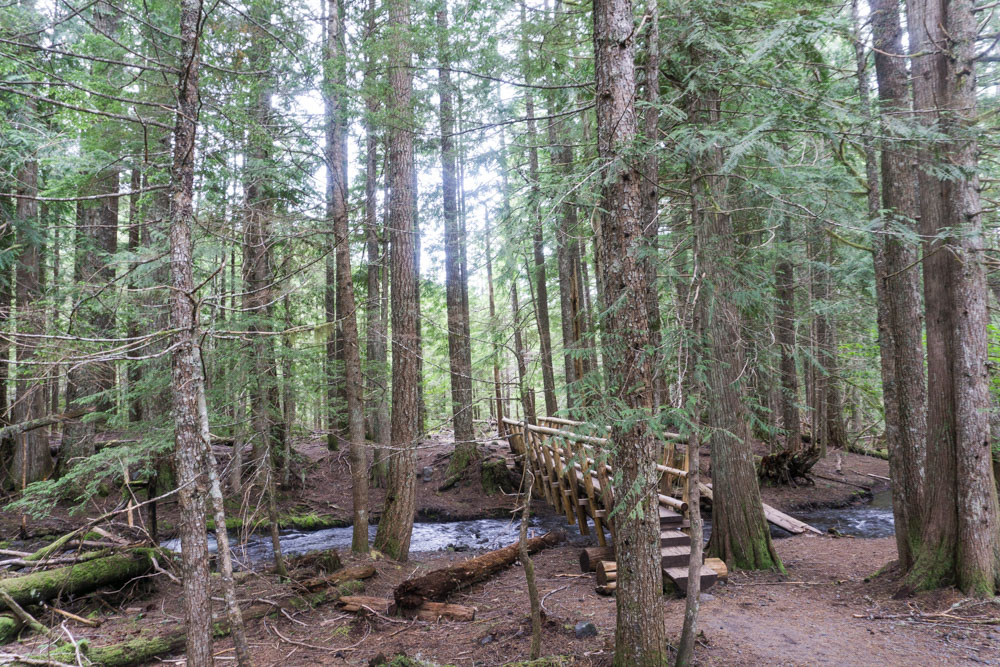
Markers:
point(674, 538)
point(675, 556)
point(668, 517)
point(679, 575)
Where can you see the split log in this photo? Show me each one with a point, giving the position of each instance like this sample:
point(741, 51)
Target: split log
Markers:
point(439, 584)
point(779, 519)
point(361, 603)
point(608, 588)
point(591, 556)
point(435, 611)
point(607, 571)
point(80, 578)
point(719, 566)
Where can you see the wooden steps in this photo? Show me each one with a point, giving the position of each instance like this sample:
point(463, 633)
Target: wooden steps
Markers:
point(675, 556)
point(674, 538)
point(668, 517)
point(679, 575)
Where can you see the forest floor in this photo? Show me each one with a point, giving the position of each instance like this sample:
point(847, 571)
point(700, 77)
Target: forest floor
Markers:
point(829, 608)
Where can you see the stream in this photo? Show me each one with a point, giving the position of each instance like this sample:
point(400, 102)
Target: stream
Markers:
point(872, 520)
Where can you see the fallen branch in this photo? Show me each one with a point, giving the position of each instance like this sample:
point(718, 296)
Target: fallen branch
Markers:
point(8, 432)
point(439, 584)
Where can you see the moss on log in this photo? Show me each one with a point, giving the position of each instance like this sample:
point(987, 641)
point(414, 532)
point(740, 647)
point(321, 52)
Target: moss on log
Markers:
point(79, 578)
point(9, 627)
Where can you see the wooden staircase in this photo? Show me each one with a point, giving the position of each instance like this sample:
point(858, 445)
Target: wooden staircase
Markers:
point(573, 476)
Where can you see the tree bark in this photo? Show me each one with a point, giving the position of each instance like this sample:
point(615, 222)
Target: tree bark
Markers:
point(639, 635)
point(376, 349)
point(32, 461)
point(651, 191)
point(466, 452)
point(960, 543)
point(186, 375)
point(784, 323)
point(336, 202)
point(396, 523)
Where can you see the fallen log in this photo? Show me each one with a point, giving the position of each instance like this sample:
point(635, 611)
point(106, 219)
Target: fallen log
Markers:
point(362, 603)
point(435, 611)
point(608, 588)
point(80, 578)
point(10, 625)
point(439, 584)
point(779, 519)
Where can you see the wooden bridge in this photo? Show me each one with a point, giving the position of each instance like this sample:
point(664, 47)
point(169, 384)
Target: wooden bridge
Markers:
point(574, 476)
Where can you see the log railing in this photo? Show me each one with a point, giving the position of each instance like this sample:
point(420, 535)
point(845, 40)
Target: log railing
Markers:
point(572, 471)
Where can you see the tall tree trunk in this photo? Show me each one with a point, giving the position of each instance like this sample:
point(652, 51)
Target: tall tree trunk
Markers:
point(336, 203)
point(459, 350)
point(95, 245)
point(494, 323)
point(133, 371)
point(538, 243)
point(6, 291)
point(784, 323)
point(32, 461)
point(186, 377)
point(376, 348)
point(897, 280)
point(960, 543)
point(396, 523)
point(739, 532)
point(526, 395)
point(258, 278)
point(651, 190)
point(639, 635)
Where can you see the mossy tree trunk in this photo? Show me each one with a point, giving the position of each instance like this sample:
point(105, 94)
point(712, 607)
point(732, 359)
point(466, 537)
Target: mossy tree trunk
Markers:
point(960, 544)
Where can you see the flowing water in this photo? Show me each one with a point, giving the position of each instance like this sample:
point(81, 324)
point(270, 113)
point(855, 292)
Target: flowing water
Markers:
point(873, 519)
point(477, 534)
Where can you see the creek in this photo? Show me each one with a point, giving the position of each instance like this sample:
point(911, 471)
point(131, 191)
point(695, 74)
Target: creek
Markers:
point(873, 519)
